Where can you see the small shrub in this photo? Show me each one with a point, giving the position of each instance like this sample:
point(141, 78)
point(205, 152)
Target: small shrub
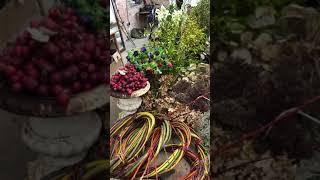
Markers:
point(180, 36)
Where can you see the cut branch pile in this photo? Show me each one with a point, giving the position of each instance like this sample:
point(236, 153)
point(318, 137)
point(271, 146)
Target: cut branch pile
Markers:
point(137, 140)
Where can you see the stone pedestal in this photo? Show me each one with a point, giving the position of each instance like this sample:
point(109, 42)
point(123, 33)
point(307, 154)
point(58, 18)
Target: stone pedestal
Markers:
point(60, 135)
point(59, 141)
point(129, 106)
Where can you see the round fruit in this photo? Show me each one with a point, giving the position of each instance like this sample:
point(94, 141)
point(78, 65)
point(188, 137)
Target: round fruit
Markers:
point(57, 89)
point(16, 87)
point(127, 80)
point(73, 60)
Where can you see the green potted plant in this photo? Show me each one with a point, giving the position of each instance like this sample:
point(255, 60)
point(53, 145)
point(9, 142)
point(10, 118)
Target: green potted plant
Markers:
point(153, 62)
point(185, 40)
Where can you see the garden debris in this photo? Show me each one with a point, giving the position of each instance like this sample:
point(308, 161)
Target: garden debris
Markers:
point(236, 28)
point(294, 10)
point(309, 168)
point(295, 18)
point(181, 85)
point(225, 80)
point(270, 52)
point(166, 83)
point(203, 127)
point(313, 29)
point(243, 54)
point(222, 55)
point(247, 37)
point(192, 89)
point(235, 114)
point(247, 164)
point(168, 107)
point(264, 16)
point(262, 40)
point(138, 139)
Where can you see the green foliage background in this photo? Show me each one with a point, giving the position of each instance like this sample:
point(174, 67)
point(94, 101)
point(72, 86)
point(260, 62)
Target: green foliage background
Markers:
point(228, 11)
point(182, 42)
point(92, 8)
point(201, 13)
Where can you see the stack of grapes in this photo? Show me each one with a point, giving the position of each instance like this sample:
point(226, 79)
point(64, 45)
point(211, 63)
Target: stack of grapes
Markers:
point(128, 80)
point(72, 61)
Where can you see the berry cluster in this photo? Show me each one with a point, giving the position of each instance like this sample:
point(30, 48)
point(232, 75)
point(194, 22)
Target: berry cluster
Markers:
point(128, 80)
point(72, 61)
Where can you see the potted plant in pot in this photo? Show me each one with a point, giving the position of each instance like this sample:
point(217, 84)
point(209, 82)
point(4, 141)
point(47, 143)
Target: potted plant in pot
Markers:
point(153, 62)
point(128, 85)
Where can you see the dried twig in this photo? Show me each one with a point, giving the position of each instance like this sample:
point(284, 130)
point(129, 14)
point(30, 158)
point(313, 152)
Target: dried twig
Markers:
point(199, 97)
point(253, 134)
point(309, 117)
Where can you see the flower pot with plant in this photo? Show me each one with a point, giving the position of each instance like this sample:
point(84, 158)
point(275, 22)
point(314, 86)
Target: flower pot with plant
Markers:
point(128, 85)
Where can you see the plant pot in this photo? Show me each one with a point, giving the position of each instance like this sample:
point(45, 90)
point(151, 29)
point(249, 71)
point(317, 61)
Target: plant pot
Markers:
point(130, 104)
point(59, 141)
point(61, 136)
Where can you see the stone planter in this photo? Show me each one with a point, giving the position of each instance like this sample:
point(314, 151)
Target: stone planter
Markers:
point(60, 136)
point(130, 104)
point(59, 141)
